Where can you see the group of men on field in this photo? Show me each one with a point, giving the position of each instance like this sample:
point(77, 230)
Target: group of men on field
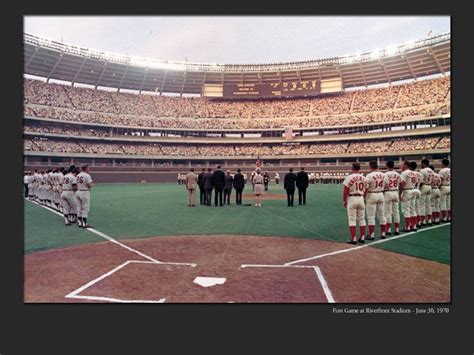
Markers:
point(66, 191)
point(221, 183)
point(425, 198)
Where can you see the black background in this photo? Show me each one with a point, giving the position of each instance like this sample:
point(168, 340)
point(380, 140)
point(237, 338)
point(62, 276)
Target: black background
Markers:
point(225, 329)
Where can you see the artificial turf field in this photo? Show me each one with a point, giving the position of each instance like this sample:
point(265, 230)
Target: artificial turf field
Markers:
point(127, 211)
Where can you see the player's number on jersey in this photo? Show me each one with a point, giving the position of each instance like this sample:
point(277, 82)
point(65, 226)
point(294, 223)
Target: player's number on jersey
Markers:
point(359, 186)
point(392, 184)
point(80, 179)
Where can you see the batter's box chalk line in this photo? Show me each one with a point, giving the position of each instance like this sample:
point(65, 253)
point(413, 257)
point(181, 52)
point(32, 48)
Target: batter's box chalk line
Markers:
point(77, 293)
point(319, 274)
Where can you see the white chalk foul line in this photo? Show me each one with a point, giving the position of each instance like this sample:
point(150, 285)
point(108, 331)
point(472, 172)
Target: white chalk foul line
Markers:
point(101, 277)
point(110, 239)
point(75, 293)
point(116, 300)
point(324, 285)
point(243, 266)
point(363, 246)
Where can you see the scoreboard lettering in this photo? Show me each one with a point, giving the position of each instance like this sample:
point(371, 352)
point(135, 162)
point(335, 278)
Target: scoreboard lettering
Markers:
point(287, 88)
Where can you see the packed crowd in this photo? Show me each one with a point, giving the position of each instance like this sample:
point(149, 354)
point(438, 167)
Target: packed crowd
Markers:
point(405, 144)
point(185, 123)
point(69, 131)
point(69, 103)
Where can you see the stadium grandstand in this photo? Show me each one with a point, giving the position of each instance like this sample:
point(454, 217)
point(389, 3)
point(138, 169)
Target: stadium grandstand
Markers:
point(133, 119)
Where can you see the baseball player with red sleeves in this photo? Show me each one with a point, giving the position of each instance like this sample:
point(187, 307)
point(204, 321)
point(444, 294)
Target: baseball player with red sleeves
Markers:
point(375, 200)
point(355, 187)
point(83, 196)
point(407, 190)
point(68, 196)
point(435, 195)
point(445, 190)
point(425, 188)
point(392, 181)
point(419, 210)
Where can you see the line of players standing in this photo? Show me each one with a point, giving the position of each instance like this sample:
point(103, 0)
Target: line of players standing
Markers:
point(66, 191)
point(423, 195)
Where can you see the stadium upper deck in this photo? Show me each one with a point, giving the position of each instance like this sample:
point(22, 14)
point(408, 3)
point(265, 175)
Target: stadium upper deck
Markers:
point(55, 60)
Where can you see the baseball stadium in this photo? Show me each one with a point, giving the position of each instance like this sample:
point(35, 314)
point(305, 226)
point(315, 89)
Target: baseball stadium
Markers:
point(139, 125)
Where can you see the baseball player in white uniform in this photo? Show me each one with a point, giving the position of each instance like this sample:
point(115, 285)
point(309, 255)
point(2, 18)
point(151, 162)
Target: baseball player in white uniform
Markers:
point(425, 188)
point(30, 180)
point(375, 201)
point(83, 196)
point(42, 188)
point(26, 178)
point(36, 177)
point(49, 188)
point(435, 195)
point(445, 190)
point(419, 208)
point(392, 181)
point(55, 189)
point(355, 188)
point(407, 189)
point(68, 196)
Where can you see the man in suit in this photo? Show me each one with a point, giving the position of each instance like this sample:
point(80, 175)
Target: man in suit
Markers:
point(239, 184)
point(289, 186)
point(218, 181)
point(191, 180)
point(266, 180)
point(202, 195)
point(302, 182)
point(228, 183)
point(207, 178)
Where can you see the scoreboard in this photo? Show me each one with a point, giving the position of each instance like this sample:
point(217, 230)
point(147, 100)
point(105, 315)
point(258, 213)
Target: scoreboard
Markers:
point(279, 89)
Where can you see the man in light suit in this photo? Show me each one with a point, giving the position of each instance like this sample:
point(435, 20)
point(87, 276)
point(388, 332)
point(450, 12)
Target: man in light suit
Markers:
point(191, 185)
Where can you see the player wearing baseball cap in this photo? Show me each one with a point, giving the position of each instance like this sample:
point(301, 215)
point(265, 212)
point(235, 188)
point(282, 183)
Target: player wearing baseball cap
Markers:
point(445, 190)
point(425, 188)
point(68, 196)
point(407, 188)
point(83, 196)
point(419, 208)
point(375, 200)
point(392, 181)
point(435, 195)
point(355, 187)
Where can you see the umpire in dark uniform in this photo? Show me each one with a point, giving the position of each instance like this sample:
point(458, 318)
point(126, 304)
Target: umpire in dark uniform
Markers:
point(202, 194)
point(207, 178)
point(239, 184)
point(289, 186)
point(218, 181)
point(302, 182)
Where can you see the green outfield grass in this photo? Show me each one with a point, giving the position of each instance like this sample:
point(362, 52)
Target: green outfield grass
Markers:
point(146, 210)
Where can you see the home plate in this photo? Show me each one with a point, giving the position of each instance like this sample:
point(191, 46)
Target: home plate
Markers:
point(209, 281)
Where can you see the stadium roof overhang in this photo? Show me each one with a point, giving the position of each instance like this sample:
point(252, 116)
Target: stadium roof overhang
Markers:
point(55, 60)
